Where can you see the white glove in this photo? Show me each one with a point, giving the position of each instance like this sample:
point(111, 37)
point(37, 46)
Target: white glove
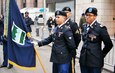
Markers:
point(35, 43)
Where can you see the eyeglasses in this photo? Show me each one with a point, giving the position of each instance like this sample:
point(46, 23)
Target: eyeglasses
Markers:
point(66, 11)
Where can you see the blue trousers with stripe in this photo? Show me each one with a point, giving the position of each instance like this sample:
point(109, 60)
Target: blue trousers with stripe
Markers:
point(85, 69)
point(61, 68)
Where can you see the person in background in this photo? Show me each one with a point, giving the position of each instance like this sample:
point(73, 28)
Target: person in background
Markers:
point(93, 34)
point(50, 23)
point(82, 21)
point(36, 20)
point(28, 21)
point(75, 31)
point(3, 39)
point(1, 27)
point(54, 23)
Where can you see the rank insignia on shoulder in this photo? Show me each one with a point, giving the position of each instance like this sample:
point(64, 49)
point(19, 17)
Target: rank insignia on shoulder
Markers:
point(77, 32)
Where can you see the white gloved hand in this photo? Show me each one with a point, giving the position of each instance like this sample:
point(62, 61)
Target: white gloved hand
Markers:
point(35, 43)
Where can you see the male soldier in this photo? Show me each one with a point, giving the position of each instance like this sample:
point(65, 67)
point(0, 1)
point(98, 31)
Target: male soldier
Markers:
point(75, 31)
point(63, 44)
point(93, 34)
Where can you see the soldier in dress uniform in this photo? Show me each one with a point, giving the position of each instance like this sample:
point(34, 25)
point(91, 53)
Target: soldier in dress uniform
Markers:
point(93, 34)
point(63, 44)
point(75, 31)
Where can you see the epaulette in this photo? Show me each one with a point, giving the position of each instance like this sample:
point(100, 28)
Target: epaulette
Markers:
point(104, 27)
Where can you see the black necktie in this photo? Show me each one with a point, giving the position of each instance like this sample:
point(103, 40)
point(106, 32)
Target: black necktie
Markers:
point(57, 30)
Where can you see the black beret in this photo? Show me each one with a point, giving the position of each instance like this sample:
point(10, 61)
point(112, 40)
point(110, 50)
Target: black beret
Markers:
point(66, 9)
point(91, 10)
point(62, 13)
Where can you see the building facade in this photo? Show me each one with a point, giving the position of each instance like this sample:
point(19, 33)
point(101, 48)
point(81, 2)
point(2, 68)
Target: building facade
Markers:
point(106, 12)
point(54, 5)
point(24, 3)
point(30, 3)
point(106, 16)
point(1, 6)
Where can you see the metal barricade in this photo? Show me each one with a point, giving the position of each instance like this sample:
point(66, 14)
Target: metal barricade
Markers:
point(109, 61)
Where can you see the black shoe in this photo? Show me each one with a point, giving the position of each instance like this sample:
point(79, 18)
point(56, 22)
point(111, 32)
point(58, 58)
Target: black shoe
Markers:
point(2, 66)
point(10, 66)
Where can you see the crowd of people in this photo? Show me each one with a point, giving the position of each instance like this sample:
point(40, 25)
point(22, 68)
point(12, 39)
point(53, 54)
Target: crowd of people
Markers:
point(66, 37)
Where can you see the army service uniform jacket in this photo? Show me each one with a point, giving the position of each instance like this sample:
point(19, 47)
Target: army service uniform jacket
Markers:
point(75, 31)
point(63, 44)
point(92, 54)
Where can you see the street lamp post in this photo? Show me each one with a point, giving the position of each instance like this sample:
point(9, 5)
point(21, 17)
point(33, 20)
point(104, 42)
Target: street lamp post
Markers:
point(45, 32)
point(74, 10)
point(44, 13)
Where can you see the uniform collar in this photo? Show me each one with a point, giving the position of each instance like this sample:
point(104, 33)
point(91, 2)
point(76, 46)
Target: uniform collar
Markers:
point(68, 19)
point(63, 23)
point(92, 23)
point(60, 25)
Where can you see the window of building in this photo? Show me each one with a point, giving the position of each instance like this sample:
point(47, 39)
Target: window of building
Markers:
point(92, 0)
point(24, 3)
point(51, 7)
point(1, 7)
point(35, 3)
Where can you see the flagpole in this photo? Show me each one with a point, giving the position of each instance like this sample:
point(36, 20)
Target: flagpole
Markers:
point(6, 15)
point(38, 56)
point(72, 65)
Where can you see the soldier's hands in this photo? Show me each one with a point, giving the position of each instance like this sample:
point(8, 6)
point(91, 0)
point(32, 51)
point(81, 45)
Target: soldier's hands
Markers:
point(4, 38)
point(35, 43)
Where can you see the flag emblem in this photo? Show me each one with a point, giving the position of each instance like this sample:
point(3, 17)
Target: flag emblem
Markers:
point(18, 35)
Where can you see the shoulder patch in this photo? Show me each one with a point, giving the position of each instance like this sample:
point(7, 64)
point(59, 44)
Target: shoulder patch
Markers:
point(77, 32)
